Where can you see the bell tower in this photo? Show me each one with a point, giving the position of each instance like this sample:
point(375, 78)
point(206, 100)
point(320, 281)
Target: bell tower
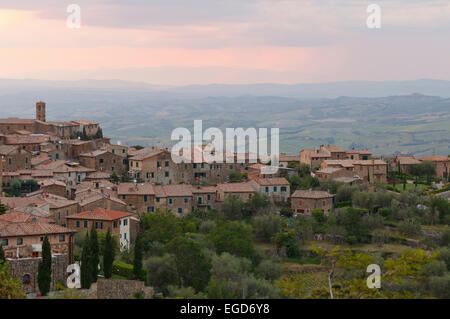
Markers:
point(40, 111)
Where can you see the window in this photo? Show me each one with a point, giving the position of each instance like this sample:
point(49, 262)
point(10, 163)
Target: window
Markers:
point(85, 224)
point(145, 198)
point(231, 166)
point(125, 236)
point(209, 196)
point(113, 151)
point(199, 200)
point(131, 164)
point(26, 160)
point(99, 225)
point(42, 238)
point(275, 189)
point(167, 163)
point(59, 215)
point(26, 279)
point(4, 242)
point(150, 209)
point(115, 224)
point(19, 241)
point(267, 189)
point(158, 164)
point(170, 200)
point(102, 161)
point(67, 212)
point(185, 200)
point(9, 161)
point(283, 188)
point(125, 222)
point(137, 164)
point(62, 238)
point(124, 196)
point(166, 174)
point(180, 210)
point(157, 199)
point(78, 224)
point(195, 165)
point(209, 207)
point(112, 168)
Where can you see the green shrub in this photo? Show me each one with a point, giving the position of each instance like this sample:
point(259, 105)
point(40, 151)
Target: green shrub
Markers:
point(126, 270)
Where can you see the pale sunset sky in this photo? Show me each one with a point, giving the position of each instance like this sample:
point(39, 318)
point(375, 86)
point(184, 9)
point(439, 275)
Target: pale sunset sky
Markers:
point(178, 42)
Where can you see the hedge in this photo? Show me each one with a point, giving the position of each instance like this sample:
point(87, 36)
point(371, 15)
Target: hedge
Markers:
point(126, 270)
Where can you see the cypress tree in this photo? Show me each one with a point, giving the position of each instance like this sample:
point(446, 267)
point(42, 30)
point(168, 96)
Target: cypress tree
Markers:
point(86, 272)
point(2, 255)
point(94, 253)
point(45, 268)
point(108, 255)
point(137, 264)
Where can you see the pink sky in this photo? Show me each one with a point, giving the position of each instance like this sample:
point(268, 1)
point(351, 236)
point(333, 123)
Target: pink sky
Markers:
point(263, 41)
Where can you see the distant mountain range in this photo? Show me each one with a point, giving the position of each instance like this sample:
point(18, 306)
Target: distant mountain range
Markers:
point(303, 90)
point(386, 117)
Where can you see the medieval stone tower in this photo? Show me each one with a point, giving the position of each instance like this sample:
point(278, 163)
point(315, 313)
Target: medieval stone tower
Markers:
point(40, 111)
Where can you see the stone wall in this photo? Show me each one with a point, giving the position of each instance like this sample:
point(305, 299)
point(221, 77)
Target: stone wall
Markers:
point(121, 289)
point(26, 271)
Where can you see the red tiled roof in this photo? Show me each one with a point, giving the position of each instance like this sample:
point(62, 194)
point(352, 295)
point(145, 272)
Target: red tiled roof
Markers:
point(13, 202)
point(135, 189)
point(311, 194)
point(289, 158)
point(32, 229)
point(20, 217)
point(236, 188)
point(181, 190)
point(100, 214)
point(436, 158)
point(364, 152)
point(203, 189)
point(275, 181)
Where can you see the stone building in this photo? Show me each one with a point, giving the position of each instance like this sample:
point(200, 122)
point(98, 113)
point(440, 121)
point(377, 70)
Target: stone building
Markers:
point(304, 201)
point(371, 171)
point(242, 190)
point(24, 239)
point(277, 188)
point(26, 271)
point(204, 197)
point(174, 198)
point(141, 197)
point(123, 225)
point(104, 161)
point(15, 158)
point(442, 165)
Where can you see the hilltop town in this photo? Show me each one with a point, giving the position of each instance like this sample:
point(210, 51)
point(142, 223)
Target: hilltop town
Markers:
point(60, 180)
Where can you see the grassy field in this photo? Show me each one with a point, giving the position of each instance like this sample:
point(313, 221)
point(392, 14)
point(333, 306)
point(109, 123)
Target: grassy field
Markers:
point(411, 186)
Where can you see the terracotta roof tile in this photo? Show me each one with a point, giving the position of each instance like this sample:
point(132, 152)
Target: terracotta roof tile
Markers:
point(100, 214)
point(311, 194)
